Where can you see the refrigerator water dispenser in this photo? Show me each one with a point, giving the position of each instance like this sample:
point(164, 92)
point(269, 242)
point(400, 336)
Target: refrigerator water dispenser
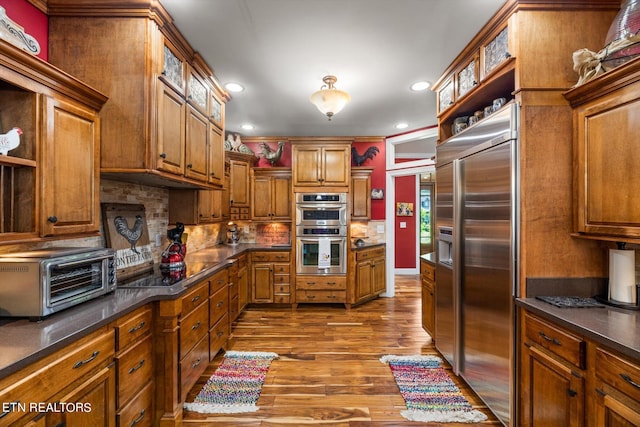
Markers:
point(445, 245)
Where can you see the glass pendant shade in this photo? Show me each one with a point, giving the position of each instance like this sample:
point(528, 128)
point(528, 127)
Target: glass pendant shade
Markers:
point(328, 99)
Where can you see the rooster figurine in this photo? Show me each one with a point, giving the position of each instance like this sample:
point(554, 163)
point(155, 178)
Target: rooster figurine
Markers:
point(359, 159)
point(132, 234)
point(10, 140)
point(269, 154)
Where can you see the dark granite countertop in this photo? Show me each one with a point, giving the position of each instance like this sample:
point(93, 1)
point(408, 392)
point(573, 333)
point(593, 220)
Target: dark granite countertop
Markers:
point(23, 342)
point(430, 258)
point(615, 328)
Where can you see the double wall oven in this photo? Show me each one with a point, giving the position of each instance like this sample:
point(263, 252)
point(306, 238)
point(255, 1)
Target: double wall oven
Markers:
point(321, 229)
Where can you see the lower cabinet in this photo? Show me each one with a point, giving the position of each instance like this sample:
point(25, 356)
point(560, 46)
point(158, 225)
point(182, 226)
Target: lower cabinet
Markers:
point(427, 279)
point(270, 277)
point(219, 312)
point(321, 289)
point(569, 380)
point(366, 273)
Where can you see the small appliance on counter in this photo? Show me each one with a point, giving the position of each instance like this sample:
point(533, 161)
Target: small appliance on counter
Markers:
point(173, 255)
point(38, 283)
point(623, 291)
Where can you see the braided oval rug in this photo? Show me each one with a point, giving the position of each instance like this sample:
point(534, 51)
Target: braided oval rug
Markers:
point(235, 386)
point(428, 391)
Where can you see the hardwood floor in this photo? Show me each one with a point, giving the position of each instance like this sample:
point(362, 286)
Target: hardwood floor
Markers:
point(328, 372)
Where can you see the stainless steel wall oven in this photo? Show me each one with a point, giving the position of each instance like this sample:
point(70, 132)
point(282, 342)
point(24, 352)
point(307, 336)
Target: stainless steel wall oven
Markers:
point(321, 233)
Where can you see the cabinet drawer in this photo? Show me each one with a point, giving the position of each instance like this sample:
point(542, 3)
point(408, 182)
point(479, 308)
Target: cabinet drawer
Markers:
point(242, 262)
point(281, 279)
point(619, 373)
point(270, 256)
point(282, 288)
point(138, 412)
point(133, 327)
point(218, 281)
point(193, 328)
point(556, 340)
point(428, 272)
point(233, 289)
point(370, 253)
point(193, 365)
point(234, 308)
point(282, 298)
point(67, 365)
point(321, 283)
point(218, 305)
point(281, 268)
point(218, 336)
point(321, 296)
point(233, 268)
point(135, 368)
point(195, 297)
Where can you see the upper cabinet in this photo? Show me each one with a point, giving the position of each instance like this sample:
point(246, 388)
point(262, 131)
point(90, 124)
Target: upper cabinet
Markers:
point(271, 194)
point(361, 193)
point(165, 116)
point(49, 182)
point(321, 164)
point(605, 148)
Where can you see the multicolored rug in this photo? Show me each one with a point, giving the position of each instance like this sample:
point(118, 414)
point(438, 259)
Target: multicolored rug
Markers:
point(429, 392)
point(235, 386)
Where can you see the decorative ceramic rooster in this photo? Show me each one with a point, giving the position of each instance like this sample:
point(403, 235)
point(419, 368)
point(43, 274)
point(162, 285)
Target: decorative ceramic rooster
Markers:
point(10, 140)
point(359, 159)
point(270, 154)
point(132, 234)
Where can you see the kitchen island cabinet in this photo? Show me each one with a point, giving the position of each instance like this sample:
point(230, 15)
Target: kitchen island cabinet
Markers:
point(428, 281)
point(156, 125)
point(366, 273)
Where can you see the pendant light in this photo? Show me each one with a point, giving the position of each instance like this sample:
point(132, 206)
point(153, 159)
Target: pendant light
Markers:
point(328, 99)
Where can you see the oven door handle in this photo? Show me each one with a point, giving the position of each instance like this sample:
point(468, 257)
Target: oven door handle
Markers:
point(83, 261)
point(322, 206)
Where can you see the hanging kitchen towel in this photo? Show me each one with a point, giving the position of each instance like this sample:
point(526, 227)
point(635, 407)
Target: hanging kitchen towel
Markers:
point(324, 253)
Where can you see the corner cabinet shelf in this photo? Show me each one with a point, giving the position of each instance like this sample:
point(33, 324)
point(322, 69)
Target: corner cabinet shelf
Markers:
point(43, 192)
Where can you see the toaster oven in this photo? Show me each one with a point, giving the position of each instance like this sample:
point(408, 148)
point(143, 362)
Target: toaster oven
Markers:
point(38, 283)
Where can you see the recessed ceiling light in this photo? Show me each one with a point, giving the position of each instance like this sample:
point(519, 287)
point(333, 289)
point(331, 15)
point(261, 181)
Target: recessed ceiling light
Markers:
point(234, 87)
point(402, 125)
point(247, 126)
point(418, 86)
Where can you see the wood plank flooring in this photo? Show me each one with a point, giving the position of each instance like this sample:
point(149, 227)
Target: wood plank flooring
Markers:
point(328, 372)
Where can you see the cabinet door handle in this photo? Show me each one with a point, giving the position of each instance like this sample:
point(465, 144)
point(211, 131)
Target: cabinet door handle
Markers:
point(546, 338)
point(84, 362)
point(628, 379)
point(196, 298)
point(220, 304)
point(190, 165)
point(138, 366)
point(196, 363)
point(52, 219)
point(137, 328)
point(138, 419)
point(571, 393)
point(163, 155)
point(196, 326)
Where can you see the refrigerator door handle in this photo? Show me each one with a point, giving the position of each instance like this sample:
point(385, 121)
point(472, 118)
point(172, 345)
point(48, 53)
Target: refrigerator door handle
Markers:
point(458, 195)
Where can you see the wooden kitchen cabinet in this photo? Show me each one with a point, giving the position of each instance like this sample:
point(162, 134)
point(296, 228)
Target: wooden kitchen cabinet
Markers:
point(219, 312)
point(271, 194)
point(244, 290)
point(428, 281)
point(50, 184)
point(321, 163)
point(321, 289)
point(361, 193)
point(617, 392)
point(270, 277)
point(606, 135)
point(155, 127)
point(367, 274)
point(239, 184)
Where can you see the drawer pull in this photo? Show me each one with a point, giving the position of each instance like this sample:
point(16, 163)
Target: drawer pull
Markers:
point(197, 362)
point(84, 362)
point(331, 297)
point(220, 304)
point(546, 338)
point(138, 419)
point(10, 405)
point(628, 379)
point(137, 328)
point(311, 283)
point(331, 283)
point(196, 298)
point(135, 368)
point(220, 334)
point(196, 326)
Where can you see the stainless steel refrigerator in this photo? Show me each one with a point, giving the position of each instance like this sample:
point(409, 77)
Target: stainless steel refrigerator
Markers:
point(477, 221)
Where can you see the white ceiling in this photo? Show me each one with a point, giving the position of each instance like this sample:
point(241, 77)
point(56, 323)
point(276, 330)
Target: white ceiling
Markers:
point(280, 50)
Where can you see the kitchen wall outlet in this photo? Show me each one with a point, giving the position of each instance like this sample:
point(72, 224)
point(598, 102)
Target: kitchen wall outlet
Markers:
point(159, 239)
point(380, 229)
point(403, 225)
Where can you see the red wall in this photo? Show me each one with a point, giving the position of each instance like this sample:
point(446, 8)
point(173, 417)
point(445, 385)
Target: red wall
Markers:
point(405, 238)
point(33, 21)
point(378, 176)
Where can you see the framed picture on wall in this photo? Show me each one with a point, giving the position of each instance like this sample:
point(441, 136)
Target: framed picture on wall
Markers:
point(404, 209)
